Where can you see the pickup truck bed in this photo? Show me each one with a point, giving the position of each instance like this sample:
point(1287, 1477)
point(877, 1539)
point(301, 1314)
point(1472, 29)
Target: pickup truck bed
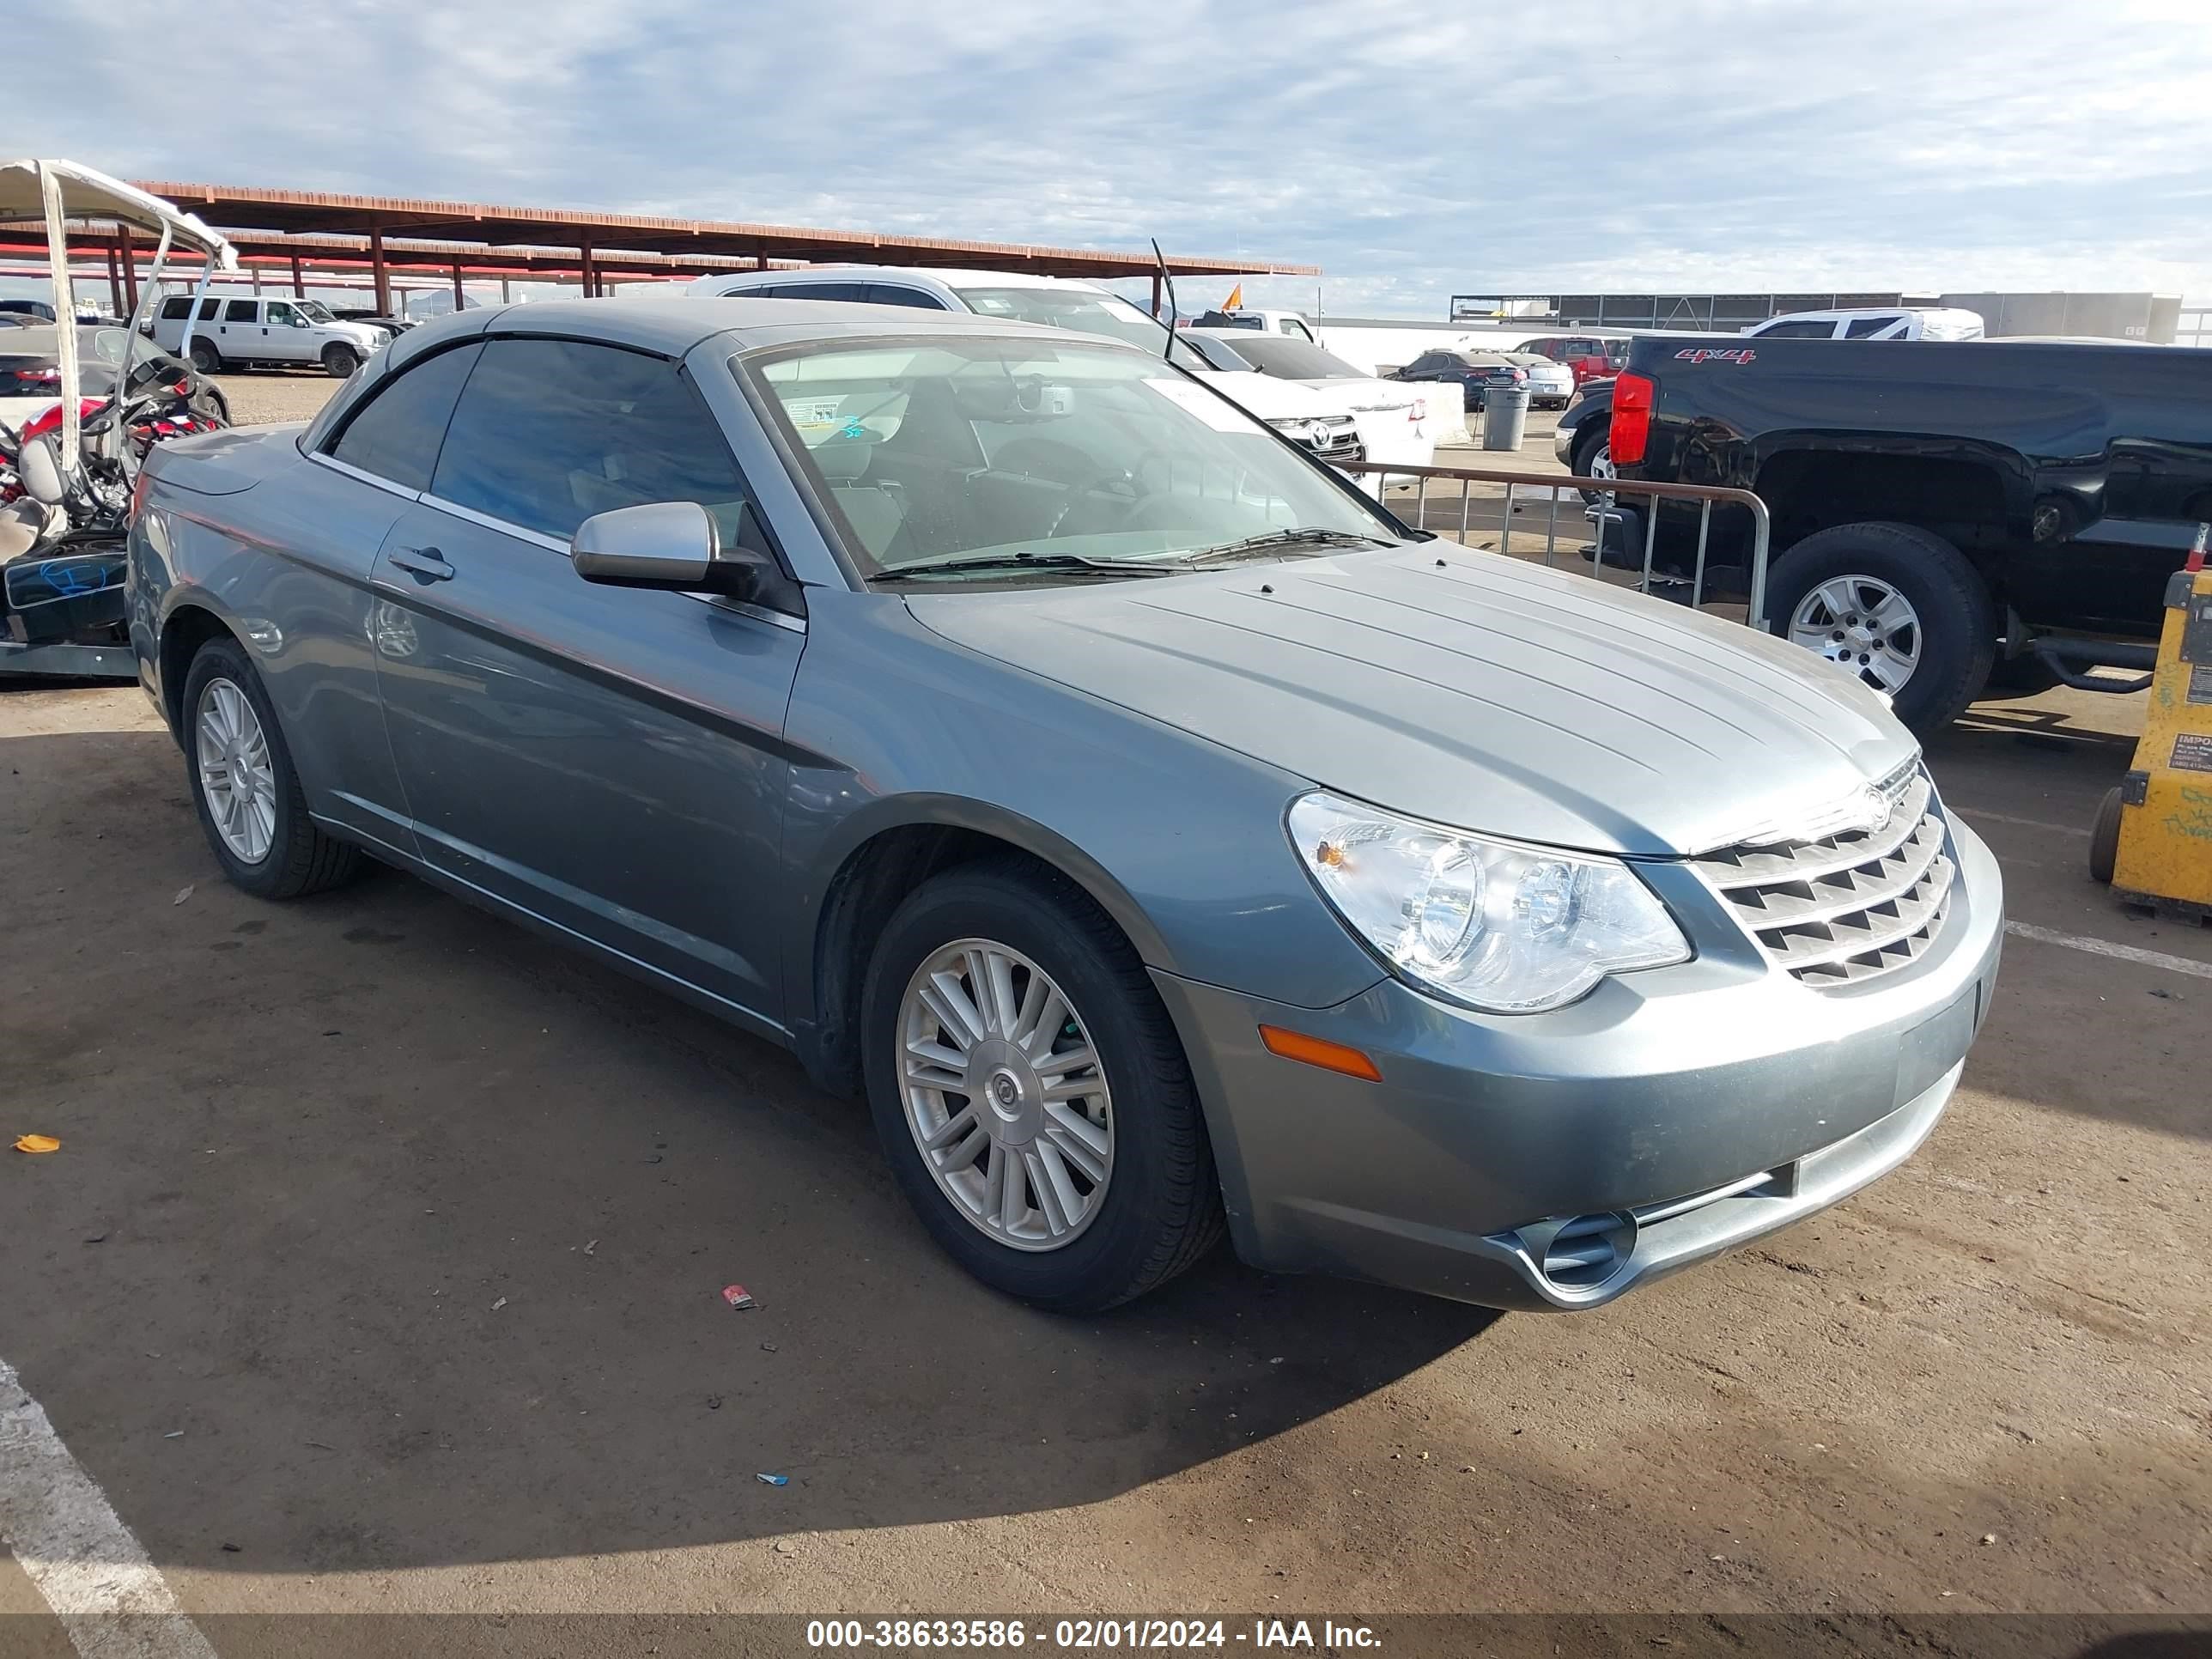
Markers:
point(1938, 508)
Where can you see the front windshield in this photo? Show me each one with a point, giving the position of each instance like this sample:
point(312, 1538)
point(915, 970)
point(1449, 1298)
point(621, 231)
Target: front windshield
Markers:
point(314, 311)
point(1295, 360)
point(942, 449)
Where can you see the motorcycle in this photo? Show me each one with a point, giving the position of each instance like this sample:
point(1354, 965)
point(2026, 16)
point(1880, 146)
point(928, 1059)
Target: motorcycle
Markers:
point(62, 539)
point(67, 478)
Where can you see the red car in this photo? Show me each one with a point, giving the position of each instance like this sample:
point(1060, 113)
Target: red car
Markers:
point(1587, 357)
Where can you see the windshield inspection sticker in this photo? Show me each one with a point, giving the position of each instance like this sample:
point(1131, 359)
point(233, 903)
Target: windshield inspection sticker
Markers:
point(1218, 413)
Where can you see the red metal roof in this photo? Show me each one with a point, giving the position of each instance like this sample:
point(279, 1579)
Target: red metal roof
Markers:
point(481, 229)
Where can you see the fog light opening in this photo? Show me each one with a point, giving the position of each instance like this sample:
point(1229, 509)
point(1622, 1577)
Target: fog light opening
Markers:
point(1584, 1253)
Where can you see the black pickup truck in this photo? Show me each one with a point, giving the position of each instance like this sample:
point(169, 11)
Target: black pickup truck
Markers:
point(1949, 520)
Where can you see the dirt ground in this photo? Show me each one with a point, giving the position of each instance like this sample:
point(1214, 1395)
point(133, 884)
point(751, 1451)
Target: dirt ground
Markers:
point(381, 1269)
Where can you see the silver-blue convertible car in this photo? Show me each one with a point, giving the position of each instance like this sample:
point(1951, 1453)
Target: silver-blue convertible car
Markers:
point(1158, 833)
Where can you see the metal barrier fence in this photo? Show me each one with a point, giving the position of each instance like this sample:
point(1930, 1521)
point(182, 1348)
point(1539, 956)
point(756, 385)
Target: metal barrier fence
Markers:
point(1608, 491)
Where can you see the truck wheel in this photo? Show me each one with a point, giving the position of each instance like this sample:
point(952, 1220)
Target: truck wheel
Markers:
point(339, 362)
point(2105, 838)
point(1896, 606)
point(206, 358)
point(1593, 459)
point(1030, 1091)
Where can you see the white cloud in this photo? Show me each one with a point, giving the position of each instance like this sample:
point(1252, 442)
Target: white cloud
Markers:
point(1414, 148)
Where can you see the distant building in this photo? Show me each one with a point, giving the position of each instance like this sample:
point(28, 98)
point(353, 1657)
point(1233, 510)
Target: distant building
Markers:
point(2151, 317)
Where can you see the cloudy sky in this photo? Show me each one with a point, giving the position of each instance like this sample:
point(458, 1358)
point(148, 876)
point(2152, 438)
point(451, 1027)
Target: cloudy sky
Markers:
point(1412, 148)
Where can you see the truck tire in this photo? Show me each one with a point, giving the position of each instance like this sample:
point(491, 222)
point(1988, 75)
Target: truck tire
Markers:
point(1593, 459)
point(1897, 605)
point(205, 357)
point(339, 360)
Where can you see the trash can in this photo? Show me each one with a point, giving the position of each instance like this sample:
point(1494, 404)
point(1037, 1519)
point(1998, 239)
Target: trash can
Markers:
point(1505, 416)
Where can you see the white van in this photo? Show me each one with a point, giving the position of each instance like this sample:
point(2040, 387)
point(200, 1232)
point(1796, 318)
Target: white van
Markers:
point(237, 333)
point(1876, 323)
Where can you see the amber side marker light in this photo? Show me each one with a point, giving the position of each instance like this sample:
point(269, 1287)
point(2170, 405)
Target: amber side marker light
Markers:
point(1314, 1051)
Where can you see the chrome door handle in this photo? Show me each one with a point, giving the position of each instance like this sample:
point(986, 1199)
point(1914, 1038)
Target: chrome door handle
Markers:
point(427, 564)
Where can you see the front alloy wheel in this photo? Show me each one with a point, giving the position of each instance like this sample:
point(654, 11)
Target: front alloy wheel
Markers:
point(1005, 1095)
point(1865, 626)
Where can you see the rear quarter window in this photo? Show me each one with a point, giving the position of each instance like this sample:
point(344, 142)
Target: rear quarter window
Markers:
point(396, 433)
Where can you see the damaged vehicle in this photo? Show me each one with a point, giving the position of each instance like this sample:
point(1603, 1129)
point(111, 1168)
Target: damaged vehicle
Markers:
point(80, 409)
point(1159, 835)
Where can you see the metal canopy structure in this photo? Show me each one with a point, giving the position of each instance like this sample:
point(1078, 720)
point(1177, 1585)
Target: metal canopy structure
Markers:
point(598, 245)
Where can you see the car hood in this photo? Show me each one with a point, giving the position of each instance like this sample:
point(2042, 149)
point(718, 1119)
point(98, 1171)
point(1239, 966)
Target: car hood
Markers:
point(1467, 688)
point(1359, 396)
point(1266, 398)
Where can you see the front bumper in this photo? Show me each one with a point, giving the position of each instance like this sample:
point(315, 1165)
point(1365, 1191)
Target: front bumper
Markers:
point(1700, 1106)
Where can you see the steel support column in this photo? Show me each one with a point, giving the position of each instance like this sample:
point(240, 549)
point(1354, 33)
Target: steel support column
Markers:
point(298, 289)
point(382, 276)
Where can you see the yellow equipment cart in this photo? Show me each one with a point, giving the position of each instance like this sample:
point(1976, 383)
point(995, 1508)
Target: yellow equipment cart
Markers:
point(2152, 840)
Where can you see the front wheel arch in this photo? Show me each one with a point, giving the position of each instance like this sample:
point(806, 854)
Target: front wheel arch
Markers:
point(884, 863)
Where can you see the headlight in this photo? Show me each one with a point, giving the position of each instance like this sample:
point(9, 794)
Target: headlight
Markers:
point(1500, 927)
point(1298, 429)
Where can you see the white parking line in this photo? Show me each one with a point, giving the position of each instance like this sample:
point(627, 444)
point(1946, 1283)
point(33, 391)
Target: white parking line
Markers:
point(2024, 824)
point(73, 1546)
point(2101, 947)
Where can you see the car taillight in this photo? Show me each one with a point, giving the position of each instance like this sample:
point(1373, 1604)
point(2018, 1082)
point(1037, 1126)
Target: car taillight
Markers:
point(1631, 418)
point(38, 376)
point(1418, 410)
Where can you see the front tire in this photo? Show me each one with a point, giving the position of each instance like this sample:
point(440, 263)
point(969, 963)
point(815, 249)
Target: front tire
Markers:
point(245, 787)
point(1897, 606)
point(339, 362)
point(1030, 1092)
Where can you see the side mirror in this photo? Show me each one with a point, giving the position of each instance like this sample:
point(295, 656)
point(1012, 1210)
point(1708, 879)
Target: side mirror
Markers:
point(672, 544)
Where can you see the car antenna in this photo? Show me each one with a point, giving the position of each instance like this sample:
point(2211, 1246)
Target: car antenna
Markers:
point(1160, 260)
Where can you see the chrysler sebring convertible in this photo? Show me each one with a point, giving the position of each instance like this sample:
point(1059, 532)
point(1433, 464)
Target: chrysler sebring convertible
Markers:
point(1160, 835)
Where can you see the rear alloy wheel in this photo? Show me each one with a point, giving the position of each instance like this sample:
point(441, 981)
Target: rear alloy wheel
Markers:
point(248, 796)
point(1863, 625)
point(339, 360)
point(1030, 1092)
point(1897, 607)
point(206, 358)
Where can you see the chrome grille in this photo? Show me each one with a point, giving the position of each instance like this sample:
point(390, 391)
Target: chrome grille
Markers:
point(1851, 906)
point(1338, 439)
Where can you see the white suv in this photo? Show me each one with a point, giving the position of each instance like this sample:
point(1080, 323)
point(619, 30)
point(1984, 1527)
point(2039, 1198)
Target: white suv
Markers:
point(235, 332)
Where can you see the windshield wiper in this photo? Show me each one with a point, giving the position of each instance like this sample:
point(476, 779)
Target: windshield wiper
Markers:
point(1273, 540)
point(959, 564)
